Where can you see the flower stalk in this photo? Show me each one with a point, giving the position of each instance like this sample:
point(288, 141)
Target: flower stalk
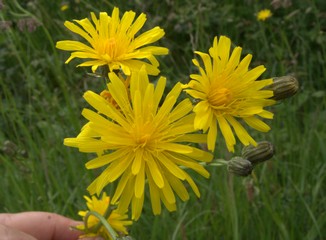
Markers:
point(102, 223)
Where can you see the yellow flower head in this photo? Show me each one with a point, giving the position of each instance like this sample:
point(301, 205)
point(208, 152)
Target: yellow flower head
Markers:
point(143, 140)
point(227, 92)
point(262, 15)
point(113, 42)
point(102, 206)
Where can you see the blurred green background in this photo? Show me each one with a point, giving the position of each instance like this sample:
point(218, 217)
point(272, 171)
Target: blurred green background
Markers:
point(41, 101)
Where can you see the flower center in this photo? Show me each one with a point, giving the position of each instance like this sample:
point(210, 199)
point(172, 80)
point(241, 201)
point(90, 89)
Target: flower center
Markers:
point(219, 97)
point(143, 135)
point(142, 140)
point(111, 48)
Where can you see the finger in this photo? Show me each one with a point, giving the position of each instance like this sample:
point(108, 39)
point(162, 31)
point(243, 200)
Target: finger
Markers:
point(42, 225)
point(8, 233)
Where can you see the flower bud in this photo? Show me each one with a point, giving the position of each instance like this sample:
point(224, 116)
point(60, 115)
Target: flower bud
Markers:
point(262, 152)
point(283, 87)
point(239, 166)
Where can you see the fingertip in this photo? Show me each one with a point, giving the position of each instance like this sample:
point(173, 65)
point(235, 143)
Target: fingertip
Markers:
point(64, 228)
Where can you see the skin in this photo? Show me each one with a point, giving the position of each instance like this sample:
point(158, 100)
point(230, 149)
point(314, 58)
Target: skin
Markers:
point(37, 226)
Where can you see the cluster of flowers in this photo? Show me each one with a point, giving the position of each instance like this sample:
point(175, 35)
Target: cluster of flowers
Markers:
point(147, 141)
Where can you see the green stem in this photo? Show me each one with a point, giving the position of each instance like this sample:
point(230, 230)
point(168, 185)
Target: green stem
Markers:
point(233, 208)
point(104, 223)
point(214, 163)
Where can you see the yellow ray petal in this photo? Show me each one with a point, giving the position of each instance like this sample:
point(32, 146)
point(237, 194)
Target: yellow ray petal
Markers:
point(178, 187)
point(155, 172)
point(194, 138)
point(122, 185)
point(241, 132)
point(137, 162)
point(227, 133)
point(193, 185)
point(182, 109)
point(154, 194)
point(140, 182)
point(126, 196)
point(257, 124)
point(137, 206)
point(171, 166)
point(170, 206)
point(212, 135)
point(106, 159)
point(167, 192)
point(76, 29)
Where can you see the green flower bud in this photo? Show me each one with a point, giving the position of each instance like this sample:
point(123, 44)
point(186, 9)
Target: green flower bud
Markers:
point(283, 87)
point(239, 166)
point(262, 152)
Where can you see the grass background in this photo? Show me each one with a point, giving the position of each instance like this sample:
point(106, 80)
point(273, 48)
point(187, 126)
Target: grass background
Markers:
point(41, 101)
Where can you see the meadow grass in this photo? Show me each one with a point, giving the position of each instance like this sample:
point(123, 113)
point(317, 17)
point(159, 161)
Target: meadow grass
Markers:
point(41, 102)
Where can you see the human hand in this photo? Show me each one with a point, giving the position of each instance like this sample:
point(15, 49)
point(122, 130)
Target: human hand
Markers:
point(37, 226)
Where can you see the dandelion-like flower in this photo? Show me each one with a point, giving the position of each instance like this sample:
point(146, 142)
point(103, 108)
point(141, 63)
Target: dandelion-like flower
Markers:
point(227, 92)
point(102, 206)
point(142, 141)
point(113, 42)
point(264, 14)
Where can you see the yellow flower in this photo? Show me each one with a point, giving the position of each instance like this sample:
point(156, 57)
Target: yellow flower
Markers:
point(262, 15)
point(113, 42)
point(64, 7)
point(108, 96)
point(227, 92)
point(142, 141)
point(102, 206)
